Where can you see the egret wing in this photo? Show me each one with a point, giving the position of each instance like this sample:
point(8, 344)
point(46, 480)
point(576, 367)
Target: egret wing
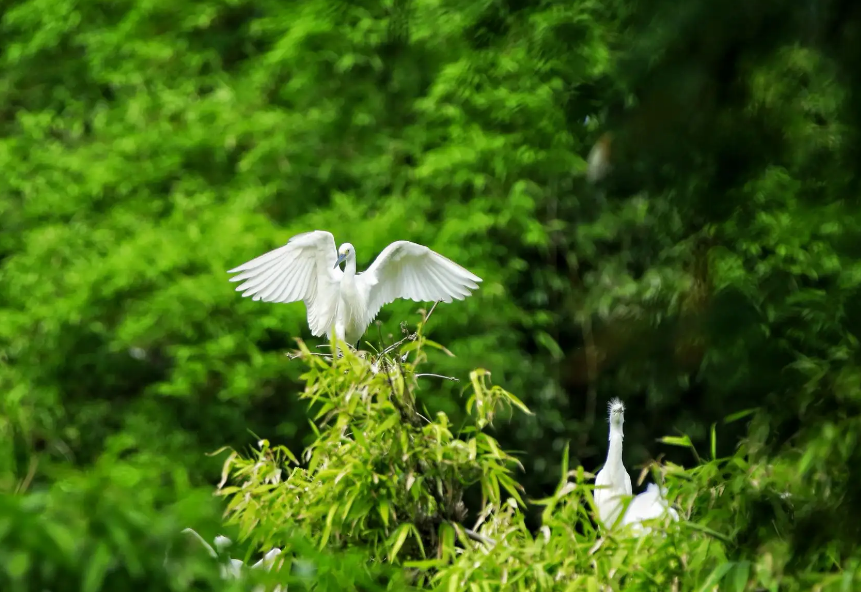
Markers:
point(303, 269)
point(650, 504)
point(414, 272)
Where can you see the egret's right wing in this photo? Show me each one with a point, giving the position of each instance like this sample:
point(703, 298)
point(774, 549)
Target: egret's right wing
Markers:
point(303, 269)
point(412, 271)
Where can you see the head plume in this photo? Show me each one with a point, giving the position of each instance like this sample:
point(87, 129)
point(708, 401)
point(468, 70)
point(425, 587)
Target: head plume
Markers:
point(616, 411)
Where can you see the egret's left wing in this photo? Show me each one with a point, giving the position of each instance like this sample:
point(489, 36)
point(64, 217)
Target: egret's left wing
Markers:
point(412, 271)
point(303, 269)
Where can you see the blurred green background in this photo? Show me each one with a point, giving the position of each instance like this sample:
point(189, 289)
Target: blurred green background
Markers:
point(146, 147)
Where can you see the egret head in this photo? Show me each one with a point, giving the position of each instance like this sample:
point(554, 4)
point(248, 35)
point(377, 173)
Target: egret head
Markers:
point(345, 253)
point(617, 412)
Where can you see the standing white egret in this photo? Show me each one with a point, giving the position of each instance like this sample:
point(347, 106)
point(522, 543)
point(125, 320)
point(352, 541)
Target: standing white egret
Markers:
point(307, 268)
point(613, 482)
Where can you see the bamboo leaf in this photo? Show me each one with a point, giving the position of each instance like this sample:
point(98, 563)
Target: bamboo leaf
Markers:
point(383, 507)
point(397, 539)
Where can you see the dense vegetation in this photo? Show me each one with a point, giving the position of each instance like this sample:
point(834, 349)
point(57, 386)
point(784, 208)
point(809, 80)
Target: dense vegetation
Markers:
point(712, 280)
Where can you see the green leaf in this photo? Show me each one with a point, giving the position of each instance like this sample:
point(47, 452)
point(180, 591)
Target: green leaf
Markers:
point(517, 403)
point(739, 415)
point(423, 564)
point(397, 539)
point(97, 568)
point(709, 531)
point(388, 424)
point(383, 508)
point(683, 441)
point(327, 530)
point(359, 437)
point(713, 441)
point(715, 577)
point(17, 564)
point(739, 575)
point(439, 347)
point(446, 541)
point(563, 480)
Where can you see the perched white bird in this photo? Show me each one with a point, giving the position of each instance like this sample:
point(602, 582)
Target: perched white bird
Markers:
point(307, 268)
point(612, 482)
point(613, 485)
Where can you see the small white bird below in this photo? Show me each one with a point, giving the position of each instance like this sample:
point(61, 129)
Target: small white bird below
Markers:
point(613, 485)
point(233, 568)
point(307, 268)
point(613, 482)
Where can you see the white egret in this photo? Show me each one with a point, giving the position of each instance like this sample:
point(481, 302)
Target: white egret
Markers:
point(307, 268)
point(612, 482)
point(233, 569)
point(613, 485)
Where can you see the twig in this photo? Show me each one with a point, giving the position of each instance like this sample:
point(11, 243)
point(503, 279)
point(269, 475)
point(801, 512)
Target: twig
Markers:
point(380, 333)
point(428, 315)
point(397, 344)
point(404, 408)
point(486, 541)
point(412, 336)
point(439, 376)
point(293, 356)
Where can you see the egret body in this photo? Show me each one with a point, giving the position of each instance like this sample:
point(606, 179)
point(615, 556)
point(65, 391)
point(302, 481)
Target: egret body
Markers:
point(613, 482)
point(307, 268)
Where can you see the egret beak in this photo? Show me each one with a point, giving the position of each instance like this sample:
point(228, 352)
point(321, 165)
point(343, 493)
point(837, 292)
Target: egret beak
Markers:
point(341, 259)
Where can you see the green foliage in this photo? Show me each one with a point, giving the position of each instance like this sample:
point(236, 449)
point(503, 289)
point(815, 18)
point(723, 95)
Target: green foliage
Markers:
point(112, 527)
point(379, 474)
point(147, 147)
point(381, 477)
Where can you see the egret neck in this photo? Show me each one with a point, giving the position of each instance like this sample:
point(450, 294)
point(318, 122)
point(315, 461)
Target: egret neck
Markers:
point(614, 453)
point(351, 301)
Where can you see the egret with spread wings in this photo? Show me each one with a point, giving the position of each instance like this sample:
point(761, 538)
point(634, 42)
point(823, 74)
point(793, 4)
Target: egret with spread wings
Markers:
point(307, 268)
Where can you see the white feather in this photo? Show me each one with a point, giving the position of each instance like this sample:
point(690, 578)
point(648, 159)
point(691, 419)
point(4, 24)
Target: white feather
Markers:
point(303, 269)
point(413, 272)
